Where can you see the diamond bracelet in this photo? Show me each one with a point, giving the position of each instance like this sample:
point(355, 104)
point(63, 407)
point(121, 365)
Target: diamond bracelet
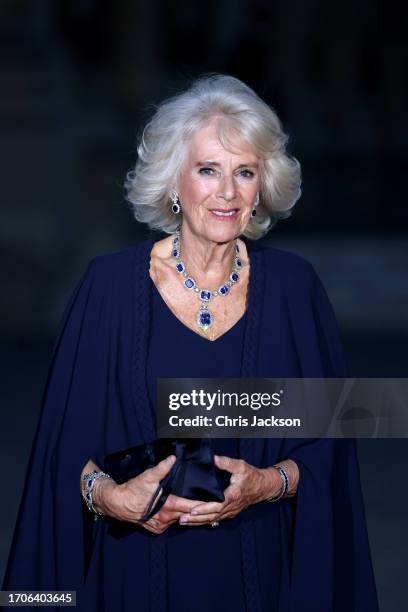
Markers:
point(87, 489)
point(285, 484)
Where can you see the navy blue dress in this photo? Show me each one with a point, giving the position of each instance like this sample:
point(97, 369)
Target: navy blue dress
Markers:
point(200, 560)
point(309, 553)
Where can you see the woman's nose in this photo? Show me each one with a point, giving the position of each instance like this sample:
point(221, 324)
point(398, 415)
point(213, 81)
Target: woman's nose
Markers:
point(227, 188)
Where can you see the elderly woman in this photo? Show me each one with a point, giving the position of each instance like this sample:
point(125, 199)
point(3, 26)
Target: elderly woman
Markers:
point(205, 301)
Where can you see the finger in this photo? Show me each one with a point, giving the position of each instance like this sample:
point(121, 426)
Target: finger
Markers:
point(187, 519)
point(175, 503)
point(160, 470)
point(228, 513)
point(231, 493)
point(158, 524)
point(154, 523)
point(207, 508)
point(149, 527)
point(229, 464)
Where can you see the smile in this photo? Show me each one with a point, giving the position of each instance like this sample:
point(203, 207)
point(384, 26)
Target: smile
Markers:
point(224, 214)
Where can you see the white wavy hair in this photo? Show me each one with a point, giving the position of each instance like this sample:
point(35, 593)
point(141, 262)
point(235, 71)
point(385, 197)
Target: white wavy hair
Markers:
point(165, 141)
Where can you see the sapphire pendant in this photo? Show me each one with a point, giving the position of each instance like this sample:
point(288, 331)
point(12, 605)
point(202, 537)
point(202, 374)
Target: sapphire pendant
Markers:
point(204, 318)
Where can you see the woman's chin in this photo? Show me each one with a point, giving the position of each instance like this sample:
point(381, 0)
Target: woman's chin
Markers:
point(223, 232)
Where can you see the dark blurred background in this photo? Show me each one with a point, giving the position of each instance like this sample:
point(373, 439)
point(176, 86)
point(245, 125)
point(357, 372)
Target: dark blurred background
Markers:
point(78, 80)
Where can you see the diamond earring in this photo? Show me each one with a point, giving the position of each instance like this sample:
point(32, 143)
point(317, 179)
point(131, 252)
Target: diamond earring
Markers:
point(174, 197)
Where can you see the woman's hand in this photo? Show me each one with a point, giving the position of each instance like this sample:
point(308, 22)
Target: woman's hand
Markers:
point(172, 510)
point(129, 501)
point(248, 485)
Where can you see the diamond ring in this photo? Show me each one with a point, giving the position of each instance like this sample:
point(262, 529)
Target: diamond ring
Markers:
point(214, 524)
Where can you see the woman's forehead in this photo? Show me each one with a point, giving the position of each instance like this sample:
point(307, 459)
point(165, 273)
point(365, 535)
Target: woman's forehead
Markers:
point(206, 144)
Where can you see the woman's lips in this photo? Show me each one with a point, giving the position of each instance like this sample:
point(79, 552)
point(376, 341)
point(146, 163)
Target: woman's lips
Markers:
point(224, 215)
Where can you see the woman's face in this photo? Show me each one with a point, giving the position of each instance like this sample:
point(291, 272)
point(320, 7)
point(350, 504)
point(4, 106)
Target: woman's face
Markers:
point(217, 188)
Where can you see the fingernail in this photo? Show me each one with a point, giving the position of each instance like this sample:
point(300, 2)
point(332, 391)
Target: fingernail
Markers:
point(183, 519)
point(194, 512)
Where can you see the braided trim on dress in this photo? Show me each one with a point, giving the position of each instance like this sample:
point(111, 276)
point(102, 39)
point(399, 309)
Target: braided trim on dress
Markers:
point(248, 369)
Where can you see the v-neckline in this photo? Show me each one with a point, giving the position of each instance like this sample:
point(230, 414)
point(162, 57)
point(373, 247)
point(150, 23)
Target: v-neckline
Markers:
point(243, 318)
point(188, 329)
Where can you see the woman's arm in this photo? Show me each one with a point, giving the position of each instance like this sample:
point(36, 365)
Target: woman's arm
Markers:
point(128, 501)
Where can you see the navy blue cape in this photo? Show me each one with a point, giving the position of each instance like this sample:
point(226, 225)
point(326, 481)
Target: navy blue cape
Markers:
point(96, 402)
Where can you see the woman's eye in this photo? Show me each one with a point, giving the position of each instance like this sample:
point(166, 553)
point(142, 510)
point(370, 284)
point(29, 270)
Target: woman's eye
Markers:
point(207, 171)
point(247, 173)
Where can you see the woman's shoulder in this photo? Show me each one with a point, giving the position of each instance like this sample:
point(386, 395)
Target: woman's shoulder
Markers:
point(281, 263)
point(119, 261)
point(112, 274)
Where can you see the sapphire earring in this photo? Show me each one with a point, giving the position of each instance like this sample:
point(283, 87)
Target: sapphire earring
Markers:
point(176, 208)
point(256, 202)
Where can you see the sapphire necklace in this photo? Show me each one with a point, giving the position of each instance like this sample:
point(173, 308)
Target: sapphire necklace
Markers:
point(204, 317)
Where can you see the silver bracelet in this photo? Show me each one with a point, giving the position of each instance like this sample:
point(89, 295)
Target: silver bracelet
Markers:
point(89, 480)
point(285, 484)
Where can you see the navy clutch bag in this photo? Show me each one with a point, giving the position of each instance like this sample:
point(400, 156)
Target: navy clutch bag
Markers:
point(194, 474)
